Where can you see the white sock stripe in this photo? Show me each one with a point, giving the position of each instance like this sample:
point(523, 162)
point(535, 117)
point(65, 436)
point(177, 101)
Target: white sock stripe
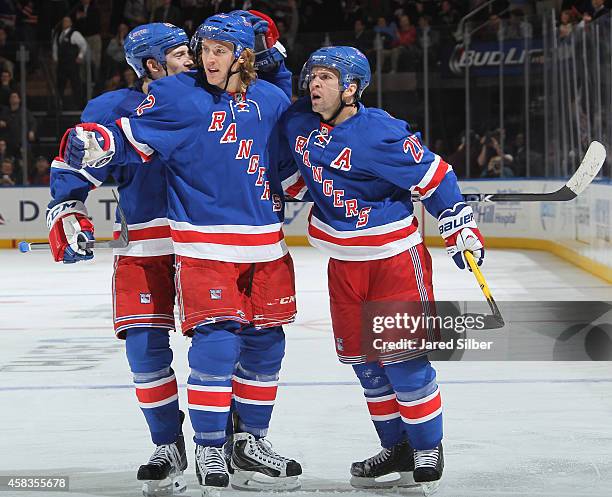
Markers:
point(385, 417)
point(255, 383)
point(242, 400)
point(411, 403)
point(198, 407)
point(381, 399)
point(152, 405)
point(208, 388)
point(156, 383)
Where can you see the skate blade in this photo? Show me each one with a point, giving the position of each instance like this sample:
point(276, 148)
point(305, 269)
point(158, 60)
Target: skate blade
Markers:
point(164, 488)
point(255, 481)
point(430, 487)
point(210, 491)
point(392, 480)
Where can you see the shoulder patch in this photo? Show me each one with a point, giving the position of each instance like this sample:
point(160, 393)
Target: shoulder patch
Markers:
point(147, 103)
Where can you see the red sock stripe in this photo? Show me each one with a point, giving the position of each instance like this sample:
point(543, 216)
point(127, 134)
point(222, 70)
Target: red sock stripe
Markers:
point(416, 411)
point(204, 398)
point(383, 408)
point(157, 393)
point(253, 392)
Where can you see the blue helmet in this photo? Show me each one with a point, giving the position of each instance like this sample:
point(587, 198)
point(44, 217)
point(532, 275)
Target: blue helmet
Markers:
point(348, 61)
point(232, 28)
point(151, 41)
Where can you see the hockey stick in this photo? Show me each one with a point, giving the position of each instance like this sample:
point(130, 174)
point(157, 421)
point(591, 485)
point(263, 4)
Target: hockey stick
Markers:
point(584, 175)
point(121, 242)
point(499, 320)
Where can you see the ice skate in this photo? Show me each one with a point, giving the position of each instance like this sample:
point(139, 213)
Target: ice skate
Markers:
point(211, 470)
point(428, 466)
point(163, 474)
point(389, 468)
point(256, 466)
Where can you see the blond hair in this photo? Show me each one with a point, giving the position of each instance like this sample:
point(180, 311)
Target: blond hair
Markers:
point(247, 68)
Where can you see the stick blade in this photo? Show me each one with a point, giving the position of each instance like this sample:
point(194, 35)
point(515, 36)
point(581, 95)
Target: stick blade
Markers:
point(588, 169)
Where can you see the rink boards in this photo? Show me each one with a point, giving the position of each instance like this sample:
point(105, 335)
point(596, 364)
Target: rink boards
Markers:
point(579, 231)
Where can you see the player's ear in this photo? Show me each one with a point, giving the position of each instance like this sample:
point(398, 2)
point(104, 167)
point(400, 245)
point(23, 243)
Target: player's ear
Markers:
point(152, 66)
point(350, 92)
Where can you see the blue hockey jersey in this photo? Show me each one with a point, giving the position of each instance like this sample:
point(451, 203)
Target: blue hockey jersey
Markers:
point(362, 175)
point(221, 154)
point(143, 191)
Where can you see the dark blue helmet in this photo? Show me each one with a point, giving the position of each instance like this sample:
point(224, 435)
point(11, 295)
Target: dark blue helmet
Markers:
point(232, 28)
point(152, 41)
point(348, 61)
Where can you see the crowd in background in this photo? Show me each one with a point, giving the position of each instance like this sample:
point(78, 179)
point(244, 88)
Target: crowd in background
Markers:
point(76, 34)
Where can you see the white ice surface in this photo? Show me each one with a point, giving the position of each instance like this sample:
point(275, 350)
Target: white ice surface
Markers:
point(511, 428)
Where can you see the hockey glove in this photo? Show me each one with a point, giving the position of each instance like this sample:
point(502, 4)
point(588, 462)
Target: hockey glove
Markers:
point(459, 230)
point(68, 225)
point(269, 52)
point(87, 144)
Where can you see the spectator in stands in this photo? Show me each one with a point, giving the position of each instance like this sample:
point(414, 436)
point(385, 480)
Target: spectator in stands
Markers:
point(87, 22)
point(114, 50)
point(517, 28)
point(566, 23)
point(4, 151)
point(168, 13)
point(27, 27)
point(498, 168)
point(387, 31)
point(114, 82)
point(7, 52)
point(448, 15)
point(135, 12)
point(288, 28)
point(69, 50)
point(599, 9)
point(425, 32)
point(40, 176)
point(12, 116)
point(491, 30)
point(519, 153)
point(6, 86)
point(8, 174)
point(129, 77)
point(405, 44)
point(362, 39)
point(457, 158)
point(489, 147)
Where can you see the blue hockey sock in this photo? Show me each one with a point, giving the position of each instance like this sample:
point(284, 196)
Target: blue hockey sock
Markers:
point(382, 403)
point(149, 355)
point(212, 357)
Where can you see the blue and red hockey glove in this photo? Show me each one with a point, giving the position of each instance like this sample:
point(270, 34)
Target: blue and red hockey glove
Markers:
point(269, 52)
point(68, 225)
point(460, 233)
point(87, 144)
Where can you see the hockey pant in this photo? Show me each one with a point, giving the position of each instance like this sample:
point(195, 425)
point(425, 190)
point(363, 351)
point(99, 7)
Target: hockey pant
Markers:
point(150, 358)
point(404, 402)
point(227, 363)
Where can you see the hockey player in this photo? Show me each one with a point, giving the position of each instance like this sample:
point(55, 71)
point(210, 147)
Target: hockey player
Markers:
point(143, 278)
point(361, 167)
point(215, 131)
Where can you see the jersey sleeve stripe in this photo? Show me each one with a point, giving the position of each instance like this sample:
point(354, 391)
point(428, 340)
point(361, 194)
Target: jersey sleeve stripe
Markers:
point(142, 149)
point(433, 178)
point(297, 189)
point(62, 166)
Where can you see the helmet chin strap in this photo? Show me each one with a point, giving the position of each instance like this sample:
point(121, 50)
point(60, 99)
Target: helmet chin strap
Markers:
point(338, 110)
point(230, 73)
